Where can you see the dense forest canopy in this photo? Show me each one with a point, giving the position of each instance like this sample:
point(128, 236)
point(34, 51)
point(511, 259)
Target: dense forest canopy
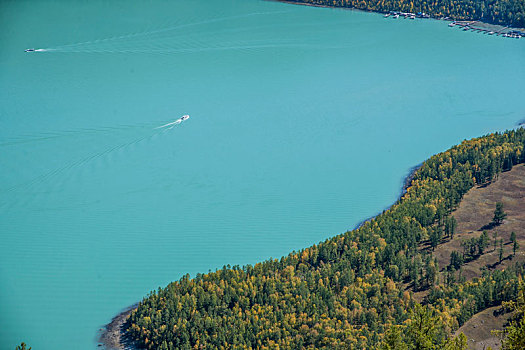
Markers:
point(505, 12)
point(353, 290)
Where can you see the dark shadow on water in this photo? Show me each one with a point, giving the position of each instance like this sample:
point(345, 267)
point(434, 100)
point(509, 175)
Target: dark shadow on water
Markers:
point(406, 183)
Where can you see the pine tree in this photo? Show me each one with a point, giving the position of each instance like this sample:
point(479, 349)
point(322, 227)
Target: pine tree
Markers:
point(456, 260)
point(422, 328)
point(499, 214)
point(515, 336)
point(394, 340)
point(450, 226)
point(483, 242)
point(458, 343)
point(515, 332)
point(435, 236)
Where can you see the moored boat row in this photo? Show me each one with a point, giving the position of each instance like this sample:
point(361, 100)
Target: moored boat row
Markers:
point(475, 26)
point(516, 34)
point(397, 14)
point(487, 29)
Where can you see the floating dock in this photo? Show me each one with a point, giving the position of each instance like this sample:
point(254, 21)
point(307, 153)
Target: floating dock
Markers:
point(475, 26)
point(490, 29)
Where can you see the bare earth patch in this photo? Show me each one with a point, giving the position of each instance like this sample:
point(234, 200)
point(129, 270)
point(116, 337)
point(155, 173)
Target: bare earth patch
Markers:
point(478, 329)
point(477, 209)
point(474, 212)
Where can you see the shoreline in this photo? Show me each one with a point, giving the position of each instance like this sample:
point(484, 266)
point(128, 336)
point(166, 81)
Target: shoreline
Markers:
point(467, 23)
point(113, 335)
point(406, 183)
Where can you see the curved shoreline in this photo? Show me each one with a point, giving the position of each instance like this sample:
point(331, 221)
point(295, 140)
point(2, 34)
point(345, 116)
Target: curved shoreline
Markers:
point(406, 183)
point(113, 335)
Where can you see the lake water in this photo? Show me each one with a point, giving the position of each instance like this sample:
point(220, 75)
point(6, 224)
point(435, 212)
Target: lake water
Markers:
point(304, 122)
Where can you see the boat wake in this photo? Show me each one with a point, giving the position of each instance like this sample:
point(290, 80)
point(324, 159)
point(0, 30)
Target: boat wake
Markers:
point(225, 33)
point(176, 122)
point(183, 37)
point(116, 141)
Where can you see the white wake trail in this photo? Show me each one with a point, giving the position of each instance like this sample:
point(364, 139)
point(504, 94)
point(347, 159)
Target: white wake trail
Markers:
point(162, 30)
point(178, 121)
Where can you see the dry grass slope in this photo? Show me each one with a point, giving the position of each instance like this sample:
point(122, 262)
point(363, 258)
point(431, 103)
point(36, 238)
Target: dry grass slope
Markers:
point(475, 211)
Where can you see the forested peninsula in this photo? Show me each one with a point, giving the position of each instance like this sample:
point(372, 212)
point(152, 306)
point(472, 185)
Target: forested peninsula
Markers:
point(503, 12)
point(378, 286)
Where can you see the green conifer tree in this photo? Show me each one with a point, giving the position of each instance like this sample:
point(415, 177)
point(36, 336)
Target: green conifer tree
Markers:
point(499, 214)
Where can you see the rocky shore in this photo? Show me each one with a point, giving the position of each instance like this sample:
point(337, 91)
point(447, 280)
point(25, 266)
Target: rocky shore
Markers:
point(113, 336)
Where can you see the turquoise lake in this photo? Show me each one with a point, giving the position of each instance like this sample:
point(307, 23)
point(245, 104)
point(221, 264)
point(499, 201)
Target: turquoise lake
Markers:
point(304, 122)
